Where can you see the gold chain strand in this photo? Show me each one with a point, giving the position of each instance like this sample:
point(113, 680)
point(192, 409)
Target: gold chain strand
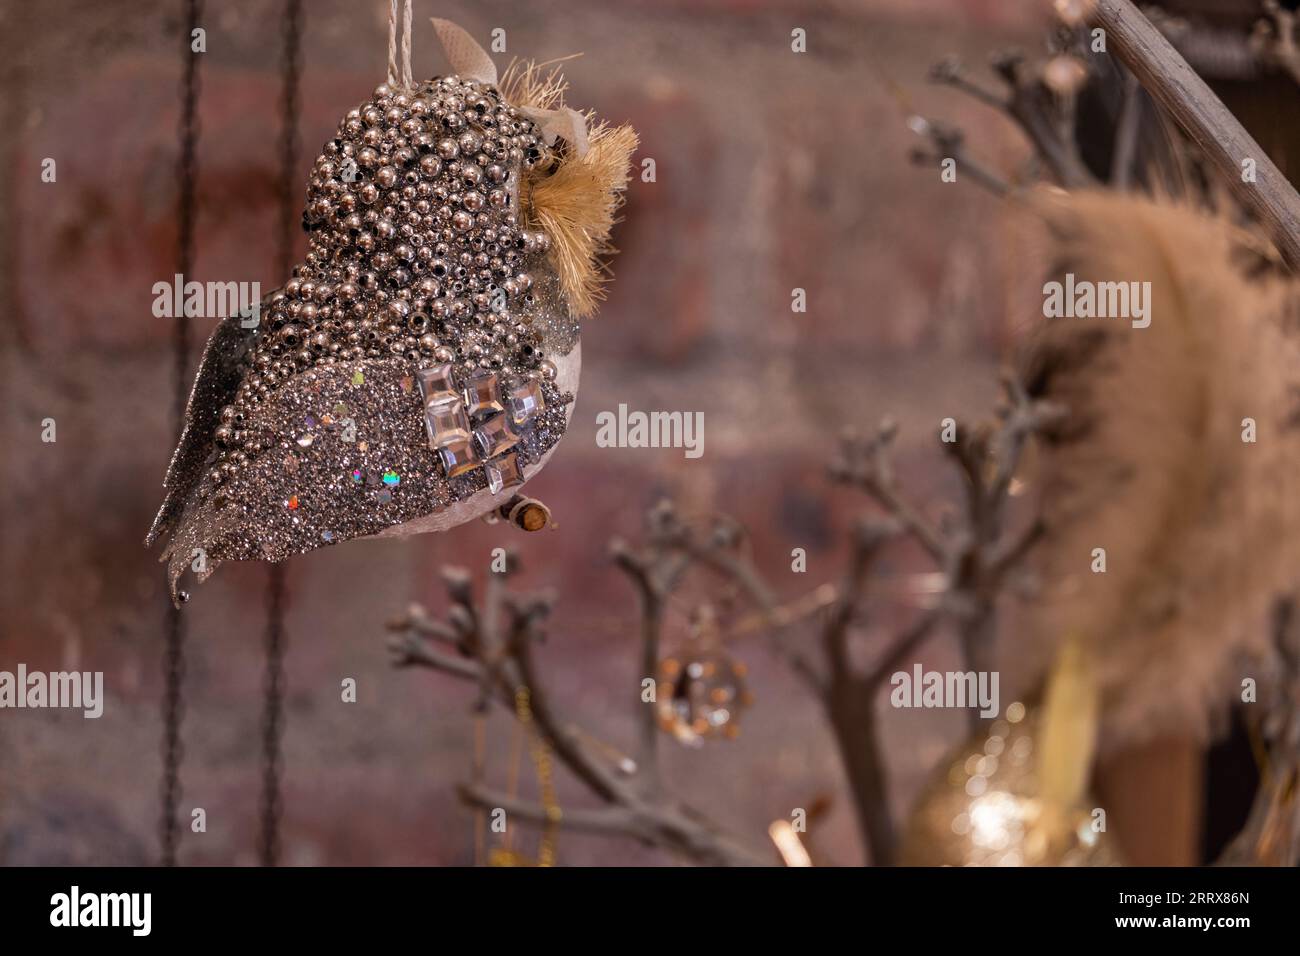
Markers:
point(541, 754)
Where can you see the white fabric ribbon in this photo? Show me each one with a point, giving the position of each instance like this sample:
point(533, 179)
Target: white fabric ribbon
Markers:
point(472, 62)
point(567, 124)
point(466, 57)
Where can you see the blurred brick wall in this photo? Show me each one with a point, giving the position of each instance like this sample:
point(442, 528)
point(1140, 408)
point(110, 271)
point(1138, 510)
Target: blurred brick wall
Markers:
point(774, 171)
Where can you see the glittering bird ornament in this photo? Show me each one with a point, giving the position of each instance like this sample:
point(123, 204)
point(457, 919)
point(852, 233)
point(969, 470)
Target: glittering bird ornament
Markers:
point(421, 362)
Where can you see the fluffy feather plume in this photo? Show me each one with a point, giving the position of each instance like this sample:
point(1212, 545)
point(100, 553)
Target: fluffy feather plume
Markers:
point(1151, 465)
point(575, 200)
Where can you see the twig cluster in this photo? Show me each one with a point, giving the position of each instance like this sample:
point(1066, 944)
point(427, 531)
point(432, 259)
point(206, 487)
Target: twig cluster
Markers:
point(491, 642)
point(1044, 113)
point(975, 554)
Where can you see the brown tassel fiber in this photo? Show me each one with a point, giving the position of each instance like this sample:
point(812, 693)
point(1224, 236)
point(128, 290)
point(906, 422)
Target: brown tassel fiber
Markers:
point(576, 199)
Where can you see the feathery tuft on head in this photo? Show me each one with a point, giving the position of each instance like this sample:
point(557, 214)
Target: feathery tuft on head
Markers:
point(529, 83)
point(574, 200)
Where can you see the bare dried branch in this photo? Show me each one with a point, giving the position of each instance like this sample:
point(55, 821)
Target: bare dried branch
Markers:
point(866, 464)
point(1123, 159)
point(949, 142)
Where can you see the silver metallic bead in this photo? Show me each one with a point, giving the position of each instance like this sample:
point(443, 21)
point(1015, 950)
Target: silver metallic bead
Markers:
point(469, 142)
point(430, 165)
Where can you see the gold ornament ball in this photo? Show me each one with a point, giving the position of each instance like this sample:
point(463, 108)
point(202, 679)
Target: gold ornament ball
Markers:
point(984, 808)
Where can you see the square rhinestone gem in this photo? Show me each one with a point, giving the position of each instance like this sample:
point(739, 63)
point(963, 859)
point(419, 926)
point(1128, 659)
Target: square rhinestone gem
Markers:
point(458, 458)
point(503, 472)
point(482, 398)
point(446, 422)
point(436, 383)
point(495, 436)
point(525, 400)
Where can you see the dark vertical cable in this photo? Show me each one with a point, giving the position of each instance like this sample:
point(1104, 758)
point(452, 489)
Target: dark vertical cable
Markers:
point(289, 108)
point(273, 713)
point(273, 716)
point(174, 655)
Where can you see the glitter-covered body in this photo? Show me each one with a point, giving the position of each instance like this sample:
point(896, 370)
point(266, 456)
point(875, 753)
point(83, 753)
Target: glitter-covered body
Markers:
point(318, 425)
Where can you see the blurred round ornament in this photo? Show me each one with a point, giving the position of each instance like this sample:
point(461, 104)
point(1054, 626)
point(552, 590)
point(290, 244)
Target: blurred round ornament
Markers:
point(986, 807)
point(701, 690)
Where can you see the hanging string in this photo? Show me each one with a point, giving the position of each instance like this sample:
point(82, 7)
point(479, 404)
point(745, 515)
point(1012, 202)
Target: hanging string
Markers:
point(174, 652)
point(392, 42)
point(399, 75)
point(407, 81)
point(273, 707)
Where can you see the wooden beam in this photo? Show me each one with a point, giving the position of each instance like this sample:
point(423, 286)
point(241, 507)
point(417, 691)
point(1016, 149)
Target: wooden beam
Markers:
point(1206, 121)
